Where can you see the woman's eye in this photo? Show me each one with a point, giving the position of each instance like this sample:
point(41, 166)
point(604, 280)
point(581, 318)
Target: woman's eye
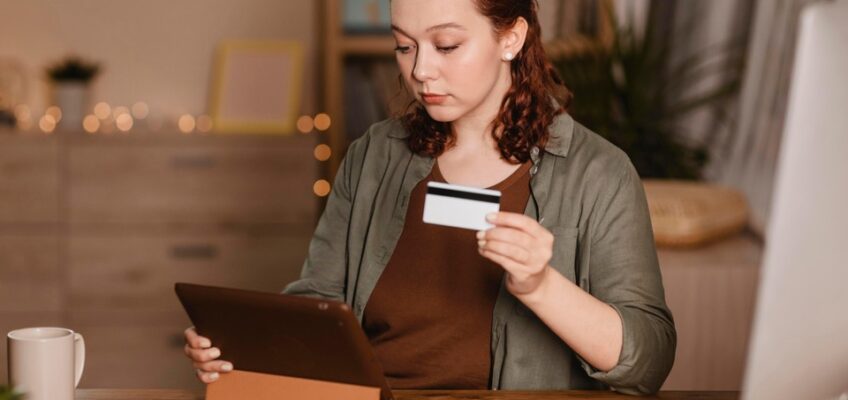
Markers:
point(402, 49)
point(447, 49)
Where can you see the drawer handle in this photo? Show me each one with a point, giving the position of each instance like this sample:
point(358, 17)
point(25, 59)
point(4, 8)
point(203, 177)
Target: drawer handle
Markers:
point(198, 162)
point(191, 251)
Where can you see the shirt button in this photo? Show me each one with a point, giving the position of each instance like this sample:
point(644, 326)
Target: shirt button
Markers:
point(534, 169)
point(534, 151)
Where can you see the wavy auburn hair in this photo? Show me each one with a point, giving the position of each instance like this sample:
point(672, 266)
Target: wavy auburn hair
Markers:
point(526, 110)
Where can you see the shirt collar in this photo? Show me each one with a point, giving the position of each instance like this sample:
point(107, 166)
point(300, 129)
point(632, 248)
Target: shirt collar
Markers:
point(561, 130)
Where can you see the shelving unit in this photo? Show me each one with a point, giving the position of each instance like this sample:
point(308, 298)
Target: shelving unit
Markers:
point(339, 47)
point(95, 230)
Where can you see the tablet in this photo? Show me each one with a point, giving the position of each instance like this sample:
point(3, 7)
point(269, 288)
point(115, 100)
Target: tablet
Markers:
point(285, 335)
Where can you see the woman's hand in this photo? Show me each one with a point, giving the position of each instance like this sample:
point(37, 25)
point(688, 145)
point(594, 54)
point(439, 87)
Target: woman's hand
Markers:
point(521, 246)
point(204, 357)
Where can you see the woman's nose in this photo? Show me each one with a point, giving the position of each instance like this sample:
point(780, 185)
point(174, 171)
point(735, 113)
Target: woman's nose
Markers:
point(424, 69)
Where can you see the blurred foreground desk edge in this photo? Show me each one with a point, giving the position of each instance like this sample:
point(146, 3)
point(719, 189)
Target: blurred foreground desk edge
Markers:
point(175, 394)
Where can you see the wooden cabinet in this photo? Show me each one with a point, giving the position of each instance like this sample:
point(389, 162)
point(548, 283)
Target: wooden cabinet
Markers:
point(95, 231)
point(173, 181)
point(136, 271)
point(30, 277)
point(29, 180)
point(711, 292)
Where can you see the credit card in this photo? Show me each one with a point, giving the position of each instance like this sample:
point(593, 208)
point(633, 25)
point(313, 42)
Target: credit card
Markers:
point(460, 206)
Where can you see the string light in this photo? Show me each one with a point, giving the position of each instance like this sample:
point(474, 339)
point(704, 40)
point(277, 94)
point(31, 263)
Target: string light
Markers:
point(124, 122)
point(322, 152)
point(54, 112)
point(140, 110)
point(321, 188)
point(102, 110)
point(186, 123)
point(47, 123)
point(322, 122)
point(204, 123)
point(90, 123)
point(305, 124)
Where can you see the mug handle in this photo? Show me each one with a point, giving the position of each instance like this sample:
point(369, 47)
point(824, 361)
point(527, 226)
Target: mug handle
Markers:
point(79, 357)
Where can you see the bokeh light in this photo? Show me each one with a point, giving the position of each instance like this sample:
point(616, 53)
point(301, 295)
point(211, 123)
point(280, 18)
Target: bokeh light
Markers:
point(47, 123)
point(305, 124)
point(90, 123)
point(55, 112)
point(186, 123)
point(140, 110)
point(321, 188)
point(102, 110)
point(204, 123)
point(322, 122)
point(124, 122)
point(322, 152)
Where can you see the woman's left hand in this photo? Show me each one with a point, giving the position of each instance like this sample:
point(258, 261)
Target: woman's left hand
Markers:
point(521, 246)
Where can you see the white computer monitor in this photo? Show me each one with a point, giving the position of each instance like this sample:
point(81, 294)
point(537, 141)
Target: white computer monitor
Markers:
point(799, 344)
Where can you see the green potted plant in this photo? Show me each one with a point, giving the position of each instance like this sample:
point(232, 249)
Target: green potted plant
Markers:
point(8, 394)
point(633, 95)
point(70, 81)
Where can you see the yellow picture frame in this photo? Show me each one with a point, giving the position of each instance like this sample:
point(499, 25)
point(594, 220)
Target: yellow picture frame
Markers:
point(257, 86)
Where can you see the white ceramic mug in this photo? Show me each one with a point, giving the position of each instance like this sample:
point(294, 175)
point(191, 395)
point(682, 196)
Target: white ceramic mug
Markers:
point(45, 363)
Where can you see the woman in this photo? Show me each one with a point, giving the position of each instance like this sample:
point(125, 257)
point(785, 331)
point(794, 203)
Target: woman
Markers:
point(564, 292)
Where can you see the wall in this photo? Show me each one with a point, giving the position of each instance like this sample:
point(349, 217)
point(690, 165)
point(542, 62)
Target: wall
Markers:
point(157, 51)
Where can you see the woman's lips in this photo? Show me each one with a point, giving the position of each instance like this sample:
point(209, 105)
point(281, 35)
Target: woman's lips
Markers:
point(434, 98)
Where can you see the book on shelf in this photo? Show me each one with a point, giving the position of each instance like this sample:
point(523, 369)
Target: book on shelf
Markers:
point(372, 93)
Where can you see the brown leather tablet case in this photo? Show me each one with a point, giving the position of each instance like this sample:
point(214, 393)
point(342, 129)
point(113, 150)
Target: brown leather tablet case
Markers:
point(270, 334)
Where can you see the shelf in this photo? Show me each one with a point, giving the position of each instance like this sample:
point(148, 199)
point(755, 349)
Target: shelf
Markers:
point(370, 45)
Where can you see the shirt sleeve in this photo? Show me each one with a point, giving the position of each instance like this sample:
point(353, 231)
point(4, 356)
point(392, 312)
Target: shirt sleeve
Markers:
point(624, 273)
point(324, 271)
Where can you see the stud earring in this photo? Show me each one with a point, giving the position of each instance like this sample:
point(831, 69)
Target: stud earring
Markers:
point(508, 56)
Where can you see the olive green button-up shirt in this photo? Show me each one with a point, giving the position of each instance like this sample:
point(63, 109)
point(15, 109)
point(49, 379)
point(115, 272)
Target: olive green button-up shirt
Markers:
point(589, 196)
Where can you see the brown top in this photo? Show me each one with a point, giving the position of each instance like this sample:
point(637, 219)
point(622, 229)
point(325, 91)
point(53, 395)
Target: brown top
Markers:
point(429, 318)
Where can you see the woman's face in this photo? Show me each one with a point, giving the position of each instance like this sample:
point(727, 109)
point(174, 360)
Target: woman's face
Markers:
point(447, 49)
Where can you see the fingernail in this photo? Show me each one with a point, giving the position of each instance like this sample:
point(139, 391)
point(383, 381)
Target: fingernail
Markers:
point(481, 234)
point(491, 217)
point(204, 343)
point(213, 376)
point(227, 367)
point(481, 243)
point(215, 353)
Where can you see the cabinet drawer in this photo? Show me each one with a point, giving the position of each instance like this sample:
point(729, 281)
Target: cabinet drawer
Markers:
point(136, 356)
point(207, 182)
point(132, 274)
point(30, 278)
point(29, 180)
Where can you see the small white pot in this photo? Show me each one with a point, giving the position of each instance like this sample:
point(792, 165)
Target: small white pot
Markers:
point(72, 99)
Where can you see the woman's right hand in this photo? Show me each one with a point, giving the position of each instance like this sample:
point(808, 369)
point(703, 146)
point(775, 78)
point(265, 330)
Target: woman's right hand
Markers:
point(204, 357)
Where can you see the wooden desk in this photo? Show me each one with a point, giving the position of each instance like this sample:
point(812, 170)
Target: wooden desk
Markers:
point(172, 394)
